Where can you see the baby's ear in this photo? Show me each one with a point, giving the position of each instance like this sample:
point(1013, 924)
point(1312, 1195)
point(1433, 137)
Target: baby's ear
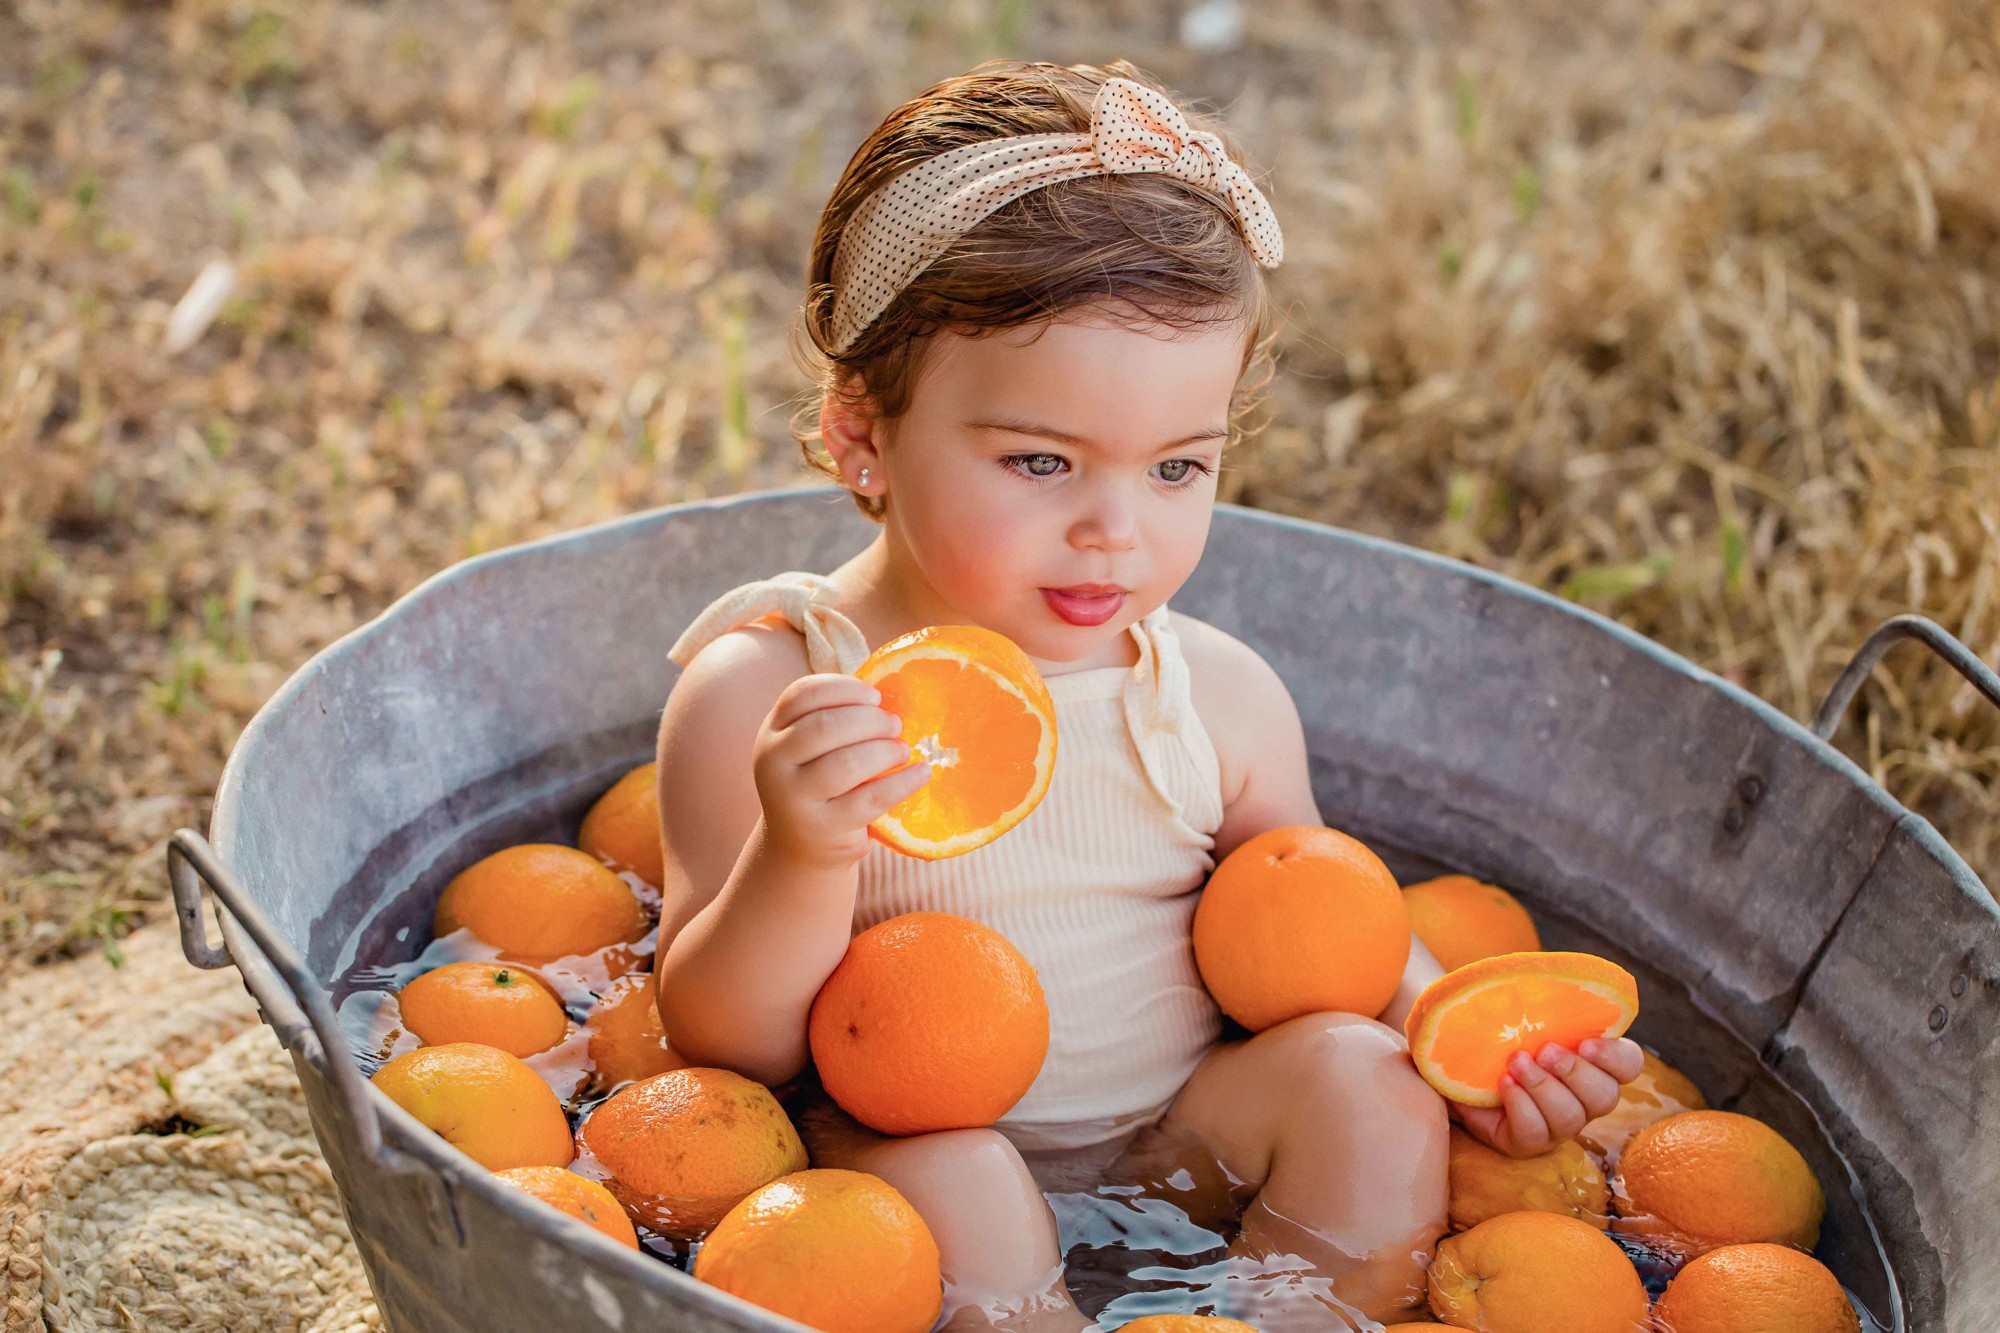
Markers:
point(847, 424)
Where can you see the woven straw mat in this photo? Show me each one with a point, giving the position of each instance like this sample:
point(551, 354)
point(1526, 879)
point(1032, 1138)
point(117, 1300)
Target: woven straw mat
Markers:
point(157, 1169)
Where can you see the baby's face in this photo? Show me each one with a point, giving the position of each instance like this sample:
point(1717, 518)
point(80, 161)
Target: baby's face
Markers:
point(1115, 489)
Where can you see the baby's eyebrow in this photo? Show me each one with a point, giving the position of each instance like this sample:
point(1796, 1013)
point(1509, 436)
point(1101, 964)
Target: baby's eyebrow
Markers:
point(1019, 426)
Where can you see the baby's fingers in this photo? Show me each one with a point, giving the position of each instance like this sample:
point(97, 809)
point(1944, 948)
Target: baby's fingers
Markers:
point(1524, 1133)
point(824, 689)
point(840, 771)
point(870, 799)
point(1594, 1089)
point(1562, 1113)
point(1621, 1058)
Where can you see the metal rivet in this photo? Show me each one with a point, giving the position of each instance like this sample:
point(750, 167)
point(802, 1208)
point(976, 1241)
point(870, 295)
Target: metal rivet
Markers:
point(1732, 819)
point(1751, 789)
point(1938, 1018)
point(1958, 985)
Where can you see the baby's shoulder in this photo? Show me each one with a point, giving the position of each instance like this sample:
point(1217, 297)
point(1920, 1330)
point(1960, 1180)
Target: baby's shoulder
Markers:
point(1220, 663)
point(741, 671)
point(1240, 698)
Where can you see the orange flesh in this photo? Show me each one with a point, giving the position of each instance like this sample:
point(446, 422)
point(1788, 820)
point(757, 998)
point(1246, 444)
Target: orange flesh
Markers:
point(948, 707)
point(1482, 1030)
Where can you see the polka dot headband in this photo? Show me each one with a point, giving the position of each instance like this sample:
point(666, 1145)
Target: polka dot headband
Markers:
point(898, 231)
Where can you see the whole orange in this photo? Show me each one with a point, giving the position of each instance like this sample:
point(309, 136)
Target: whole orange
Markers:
point(1298, 920)
point(839, 1251)
point(1658, 1092)
point(680, 1149)
point(498, 1004)
point(585, 1200)
point(931, 1021)
point(1189, 1323)
point(539, 901)
point(1533, 1273)
point(1486, 1183)
point(627, 1039)
point(484, 1102)
point(1461, 920)
point(623, 827)
point(1771, 1288)
point(1699, 1179)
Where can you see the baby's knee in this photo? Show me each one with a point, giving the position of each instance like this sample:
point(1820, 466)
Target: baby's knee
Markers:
point(1319, 1040)
point(1350, 1055)
point(973, 1162)
point(995, 1234)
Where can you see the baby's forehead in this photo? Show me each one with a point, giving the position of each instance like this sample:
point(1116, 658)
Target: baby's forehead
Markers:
point(1090, 357)
point(1086, 386)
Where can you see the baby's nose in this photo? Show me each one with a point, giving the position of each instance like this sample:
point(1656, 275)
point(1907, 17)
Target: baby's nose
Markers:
point(1110, 524)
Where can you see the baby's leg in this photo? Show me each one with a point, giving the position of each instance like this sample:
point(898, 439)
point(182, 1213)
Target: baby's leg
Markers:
point(1348, 1142)
point(995, 1233)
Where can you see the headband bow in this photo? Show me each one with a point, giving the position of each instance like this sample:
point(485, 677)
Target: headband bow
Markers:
point(898, 231)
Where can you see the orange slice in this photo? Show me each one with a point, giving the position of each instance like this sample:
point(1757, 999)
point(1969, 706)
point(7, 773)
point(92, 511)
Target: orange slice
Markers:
point(1467, 1024)
point(972, 704)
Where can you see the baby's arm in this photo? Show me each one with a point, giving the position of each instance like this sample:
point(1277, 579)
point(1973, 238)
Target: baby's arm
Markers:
point(1544, 1100)
point(1269, 784)
point(765, 796)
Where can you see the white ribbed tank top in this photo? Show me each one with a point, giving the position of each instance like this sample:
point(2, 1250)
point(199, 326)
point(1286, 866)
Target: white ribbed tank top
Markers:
point(1096, 887)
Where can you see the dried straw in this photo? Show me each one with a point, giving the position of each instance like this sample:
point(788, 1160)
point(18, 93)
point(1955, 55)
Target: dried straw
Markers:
point(1683, 308)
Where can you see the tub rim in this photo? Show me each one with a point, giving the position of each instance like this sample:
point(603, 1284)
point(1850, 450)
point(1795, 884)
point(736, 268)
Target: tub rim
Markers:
point(455, 1169)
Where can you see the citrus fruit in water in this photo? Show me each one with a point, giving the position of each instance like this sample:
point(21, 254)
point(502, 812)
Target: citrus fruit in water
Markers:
point(678, 1150)
point(623, 827)
point(1535, 1273)
point(931, 1021)
point(1658, 1092)
point(1467, 1024)
point(484, 1102)
point(627, 1039)
point(839, 1251)
point(502, 1005)
point(585, 1200)
point(973, 705)
point(1190, 1323)
point(1486, 1183)
point(1769, 1288)
point(1700, 1179)
point(1300, 920)
point(539, 901)
point(1461, 920)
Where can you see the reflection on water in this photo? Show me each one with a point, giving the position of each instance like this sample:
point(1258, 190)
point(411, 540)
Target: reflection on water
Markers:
point(1162, 1245)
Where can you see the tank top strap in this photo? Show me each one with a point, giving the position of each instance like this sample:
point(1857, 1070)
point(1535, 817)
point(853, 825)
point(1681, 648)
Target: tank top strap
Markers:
point(833, 642)
point(1159, 709)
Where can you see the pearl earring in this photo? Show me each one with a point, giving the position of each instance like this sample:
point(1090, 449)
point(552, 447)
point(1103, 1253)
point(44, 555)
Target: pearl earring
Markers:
point(863, 479)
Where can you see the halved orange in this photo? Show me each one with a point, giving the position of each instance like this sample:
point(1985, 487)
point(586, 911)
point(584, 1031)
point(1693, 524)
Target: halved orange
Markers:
point(973, 705)
point(1467, 1024)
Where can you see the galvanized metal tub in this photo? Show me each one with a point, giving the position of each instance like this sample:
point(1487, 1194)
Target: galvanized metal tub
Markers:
point(1755, 879)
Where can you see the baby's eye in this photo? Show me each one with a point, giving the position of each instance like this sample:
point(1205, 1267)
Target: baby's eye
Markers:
point(1034, 465)
point(1182, 471)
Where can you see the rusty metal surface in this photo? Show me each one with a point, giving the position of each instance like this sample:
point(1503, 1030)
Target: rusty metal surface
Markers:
point(1451, 715)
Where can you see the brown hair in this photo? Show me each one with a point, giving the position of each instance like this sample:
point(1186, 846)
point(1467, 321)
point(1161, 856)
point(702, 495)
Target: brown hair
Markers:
point(1145, 245)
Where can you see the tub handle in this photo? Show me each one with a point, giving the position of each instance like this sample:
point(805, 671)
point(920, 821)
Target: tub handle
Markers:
point(193, 862)
point(1893, 630)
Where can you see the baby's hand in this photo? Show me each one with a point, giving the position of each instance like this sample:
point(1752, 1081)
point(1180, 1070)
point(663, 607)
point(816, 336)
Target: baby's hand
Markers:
point(820, 761)
point(1546, 1100)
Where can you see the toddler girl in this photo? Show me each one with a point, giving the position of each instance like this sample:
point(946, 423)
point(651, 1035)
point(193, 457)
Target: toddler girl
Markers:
point(1036, 290)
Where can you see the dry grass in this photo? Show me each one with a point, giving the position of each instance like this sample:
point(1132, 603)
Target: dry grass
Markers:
point(1682, 307)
